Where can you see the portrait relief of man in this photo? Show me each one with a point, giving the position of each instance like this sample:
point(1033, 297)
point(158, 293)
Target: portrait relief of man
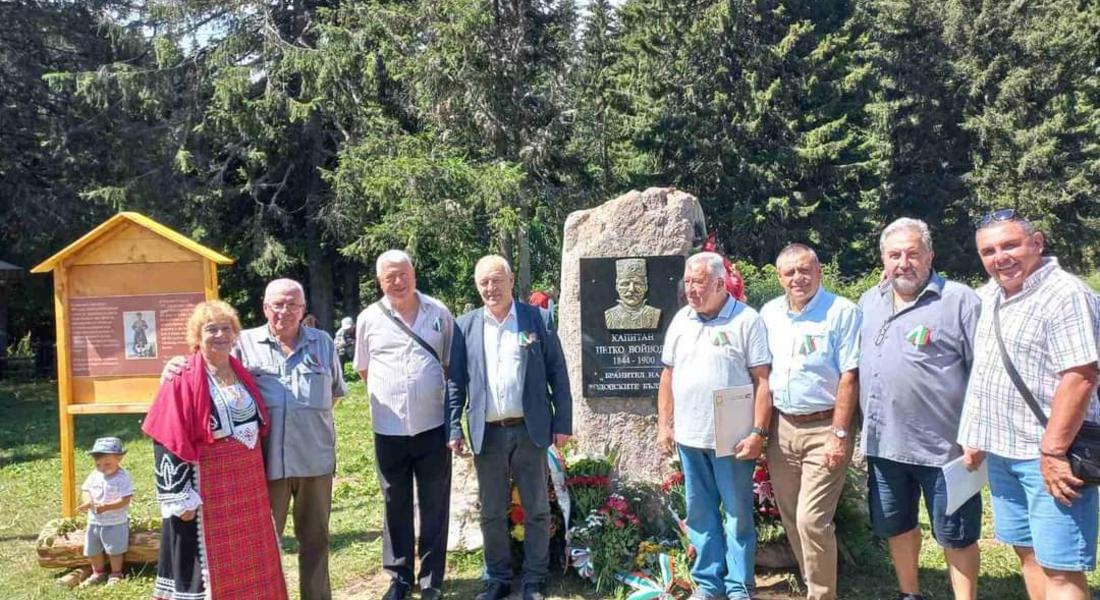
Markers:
point(631, 312)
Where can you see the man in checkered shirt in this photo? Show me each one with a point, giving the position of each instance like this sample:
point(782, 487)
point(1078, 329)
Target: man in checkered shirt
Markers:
point(1049, 323)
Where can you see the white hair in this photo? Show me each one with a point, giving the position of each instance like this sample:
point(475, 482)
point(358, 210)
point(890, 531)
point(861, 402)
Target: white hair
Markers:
point(391, 257)
point(906, 224)
point(281, 284)
point(492, 260)
point(716, 267)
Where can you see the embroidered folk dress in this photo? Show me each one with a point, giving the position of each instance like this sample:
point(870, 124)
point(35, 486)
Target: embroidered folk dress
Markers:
point(230, 549)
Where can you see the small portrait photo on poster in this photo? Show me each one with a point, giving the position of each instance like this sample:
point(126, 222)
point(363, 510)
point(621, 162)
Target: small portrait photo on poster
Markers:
point(140, 332)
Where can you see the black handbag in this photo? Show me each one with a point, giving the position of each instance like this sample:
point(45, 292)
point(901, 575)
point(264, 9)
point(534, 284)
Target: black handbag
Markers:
point(1084, 452)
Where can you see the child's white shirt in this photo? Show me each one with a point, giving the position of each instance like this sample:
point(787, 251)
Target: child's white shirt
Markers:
point(105, 490)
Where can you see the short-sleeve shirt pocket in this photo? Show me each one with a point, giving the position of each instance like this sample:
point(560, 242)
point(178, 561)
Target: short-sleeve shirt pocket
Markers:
point(317, 382)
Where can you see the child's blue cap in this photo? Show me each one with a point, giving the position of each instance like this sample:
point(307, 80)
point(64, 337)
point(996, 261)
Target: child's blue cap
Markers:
point(107, 445)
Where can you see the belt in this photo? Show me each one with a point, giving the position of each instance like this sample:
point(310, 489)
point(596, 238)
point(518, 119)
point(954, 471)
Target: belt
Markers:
point(512, 422)
point(813, 417)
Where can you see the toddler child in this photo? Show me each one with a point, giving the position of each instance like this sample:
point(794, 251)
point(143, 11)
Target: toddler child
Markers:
point(106, 495)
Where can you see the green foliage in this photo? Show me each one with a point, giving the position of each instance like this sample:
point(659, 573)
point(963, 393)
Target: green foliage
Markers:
point(350, 374)
point(21, 348)
point(304, 138)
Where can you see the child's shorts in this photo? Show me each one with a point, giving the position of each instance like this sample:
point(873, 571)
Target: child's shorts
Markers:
point(112, 539)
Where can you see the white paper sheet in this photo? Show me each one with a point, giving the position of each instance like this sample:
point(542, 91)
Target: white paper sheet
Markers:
point(963, 483)
point(734, 411)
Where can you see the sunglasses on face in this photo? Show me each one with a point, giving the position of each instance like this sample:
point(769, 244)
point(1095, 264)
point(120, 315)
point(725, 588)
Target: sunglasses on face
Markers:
point(997, 216)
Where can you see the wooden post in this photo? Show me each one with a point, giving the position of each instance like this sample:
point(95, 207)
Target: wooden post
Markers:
point(65, 391)
point(210, 279)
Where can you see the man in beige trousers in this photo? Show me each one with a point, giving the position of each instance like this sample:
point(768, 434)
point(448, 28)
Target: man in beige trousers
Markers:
point(813, 336)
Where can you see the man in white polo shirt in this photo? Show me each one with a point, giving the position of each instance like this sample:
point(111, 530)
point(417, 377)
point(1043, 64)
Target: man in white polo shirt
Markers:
point(714, 343)
point(402, 350)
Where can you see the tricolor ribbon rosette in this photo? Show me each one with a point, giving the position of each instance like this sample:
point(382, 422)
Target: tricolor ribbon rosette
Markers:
point(920, 336)
point(808, 345)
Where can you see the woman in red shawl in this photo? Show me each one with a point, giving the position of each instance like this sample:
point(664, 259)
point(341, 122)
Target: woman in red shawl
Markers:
point(218, 539)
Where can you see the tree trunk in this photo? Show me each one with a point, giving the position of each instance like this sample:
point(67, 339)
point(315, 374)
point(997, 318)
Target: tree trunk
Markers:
point(320, 277)
point(66, 550)
point(350, 302)
point(522, 253)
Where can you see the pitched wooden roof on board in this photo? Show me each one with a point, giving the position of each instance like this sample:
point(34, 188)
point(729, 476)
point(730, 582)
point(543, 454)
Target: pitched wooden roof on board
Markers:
point(141, 220)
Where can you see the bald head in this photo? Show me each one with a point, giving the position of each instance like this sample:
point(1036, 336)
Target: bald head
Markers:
point(279, 287)
point(284, 305)
point(492, 261)
point(494, 280)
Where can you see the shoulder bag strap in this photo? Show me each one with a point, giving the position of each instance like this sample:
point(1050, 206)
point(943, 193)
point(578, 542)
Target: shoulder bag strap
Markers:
point(1011, 369)
point(416, 338)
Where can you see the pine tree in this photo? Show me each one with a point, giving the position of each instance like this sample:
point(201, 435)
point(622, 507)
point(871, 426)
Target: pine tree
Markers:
point(1032, 72)
point(756, 109)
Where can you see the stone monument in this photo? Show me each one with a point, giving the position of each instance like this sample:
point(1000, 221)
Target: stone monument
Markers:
point(620, 286)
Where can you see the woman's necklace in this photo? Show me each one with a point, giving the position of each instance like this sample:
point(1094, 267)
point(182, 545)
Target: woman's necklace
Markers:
point(223, 377)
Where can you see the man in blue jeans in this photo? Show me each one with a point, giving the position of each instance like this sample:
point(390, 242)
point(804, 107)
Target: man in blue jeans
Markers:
point(715, 343)
point(916, 348)
point(1049, 322)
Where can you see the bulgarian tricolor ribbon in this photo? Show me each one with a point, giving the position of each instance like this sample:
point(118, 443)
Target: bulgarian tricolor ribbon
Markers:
point(920, 336)
point(808, 345)
point(556, 462)
point(647, 588)
point(722, 338)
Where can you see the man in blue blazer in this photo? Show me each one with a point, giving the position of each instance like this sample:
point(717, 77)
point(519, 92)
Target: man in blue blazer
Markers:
point(509, 365)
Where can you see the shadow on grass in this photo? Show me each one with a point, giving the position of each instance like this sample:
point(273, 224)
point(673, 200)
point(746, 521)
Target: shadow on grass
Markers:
point(558, 586)
point(344, 539)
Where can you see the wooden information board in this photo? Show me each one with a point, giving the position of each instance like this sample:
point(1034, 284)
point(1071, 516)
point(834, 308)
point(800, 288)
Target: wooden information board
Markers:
point(122, 296)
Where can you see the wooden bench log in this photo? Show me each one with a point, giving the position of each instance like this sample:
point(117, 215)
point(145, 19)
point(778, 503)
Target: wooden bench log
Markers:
point(66, 550)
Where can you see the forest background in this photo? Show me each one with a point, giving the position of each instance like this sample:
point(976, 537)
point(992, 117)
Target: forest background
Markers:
point(303, 137)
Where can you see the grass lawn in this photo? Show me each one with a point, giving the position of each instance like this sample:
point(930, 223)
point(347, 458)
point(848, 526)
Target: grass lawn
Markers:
point(29, 473)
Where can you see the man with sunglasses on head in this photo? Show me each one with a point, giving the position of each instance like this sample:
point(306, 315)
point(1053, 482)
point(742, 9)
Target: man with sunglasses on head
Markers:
point(1048, 321)
point(916, 350)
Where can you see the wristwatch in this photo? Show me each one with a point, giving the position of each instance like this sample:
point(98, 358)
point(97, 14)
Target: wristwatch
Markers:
point(760, 432)
point(840, 432)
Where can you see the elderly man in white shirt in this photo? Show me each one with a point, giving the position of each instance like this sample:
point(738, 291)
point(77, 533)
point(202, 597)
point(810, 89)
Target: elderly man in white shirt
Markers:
point(402, 351)
point(715, 343)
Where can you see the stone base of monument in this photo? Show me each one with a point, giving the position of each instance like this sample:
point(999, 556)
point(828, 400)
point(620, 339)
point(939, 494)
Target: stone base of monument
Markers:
point(59, 547)
point(464, 529)
point(776, 555)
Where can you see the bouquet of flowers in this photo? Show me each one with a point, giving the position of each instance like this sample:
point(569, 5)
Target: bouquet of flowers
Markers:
point(769, 527)
point(588, 480)
point(608, 538)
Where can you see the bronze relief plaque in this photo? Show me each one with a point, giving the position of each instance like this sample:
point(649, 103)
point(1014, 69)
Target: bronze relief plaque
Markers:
point(626, 306)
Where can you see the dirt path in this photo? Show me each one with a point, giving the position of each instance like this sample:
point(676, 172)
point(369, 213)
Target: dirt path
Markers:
point(769, 586)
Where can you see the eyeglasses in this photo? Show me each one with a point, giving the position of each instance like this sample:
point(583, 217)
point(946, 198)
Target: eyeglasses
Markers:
point(285, 306)
point(216, 329)
point(997, 216)
point(881, 335)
